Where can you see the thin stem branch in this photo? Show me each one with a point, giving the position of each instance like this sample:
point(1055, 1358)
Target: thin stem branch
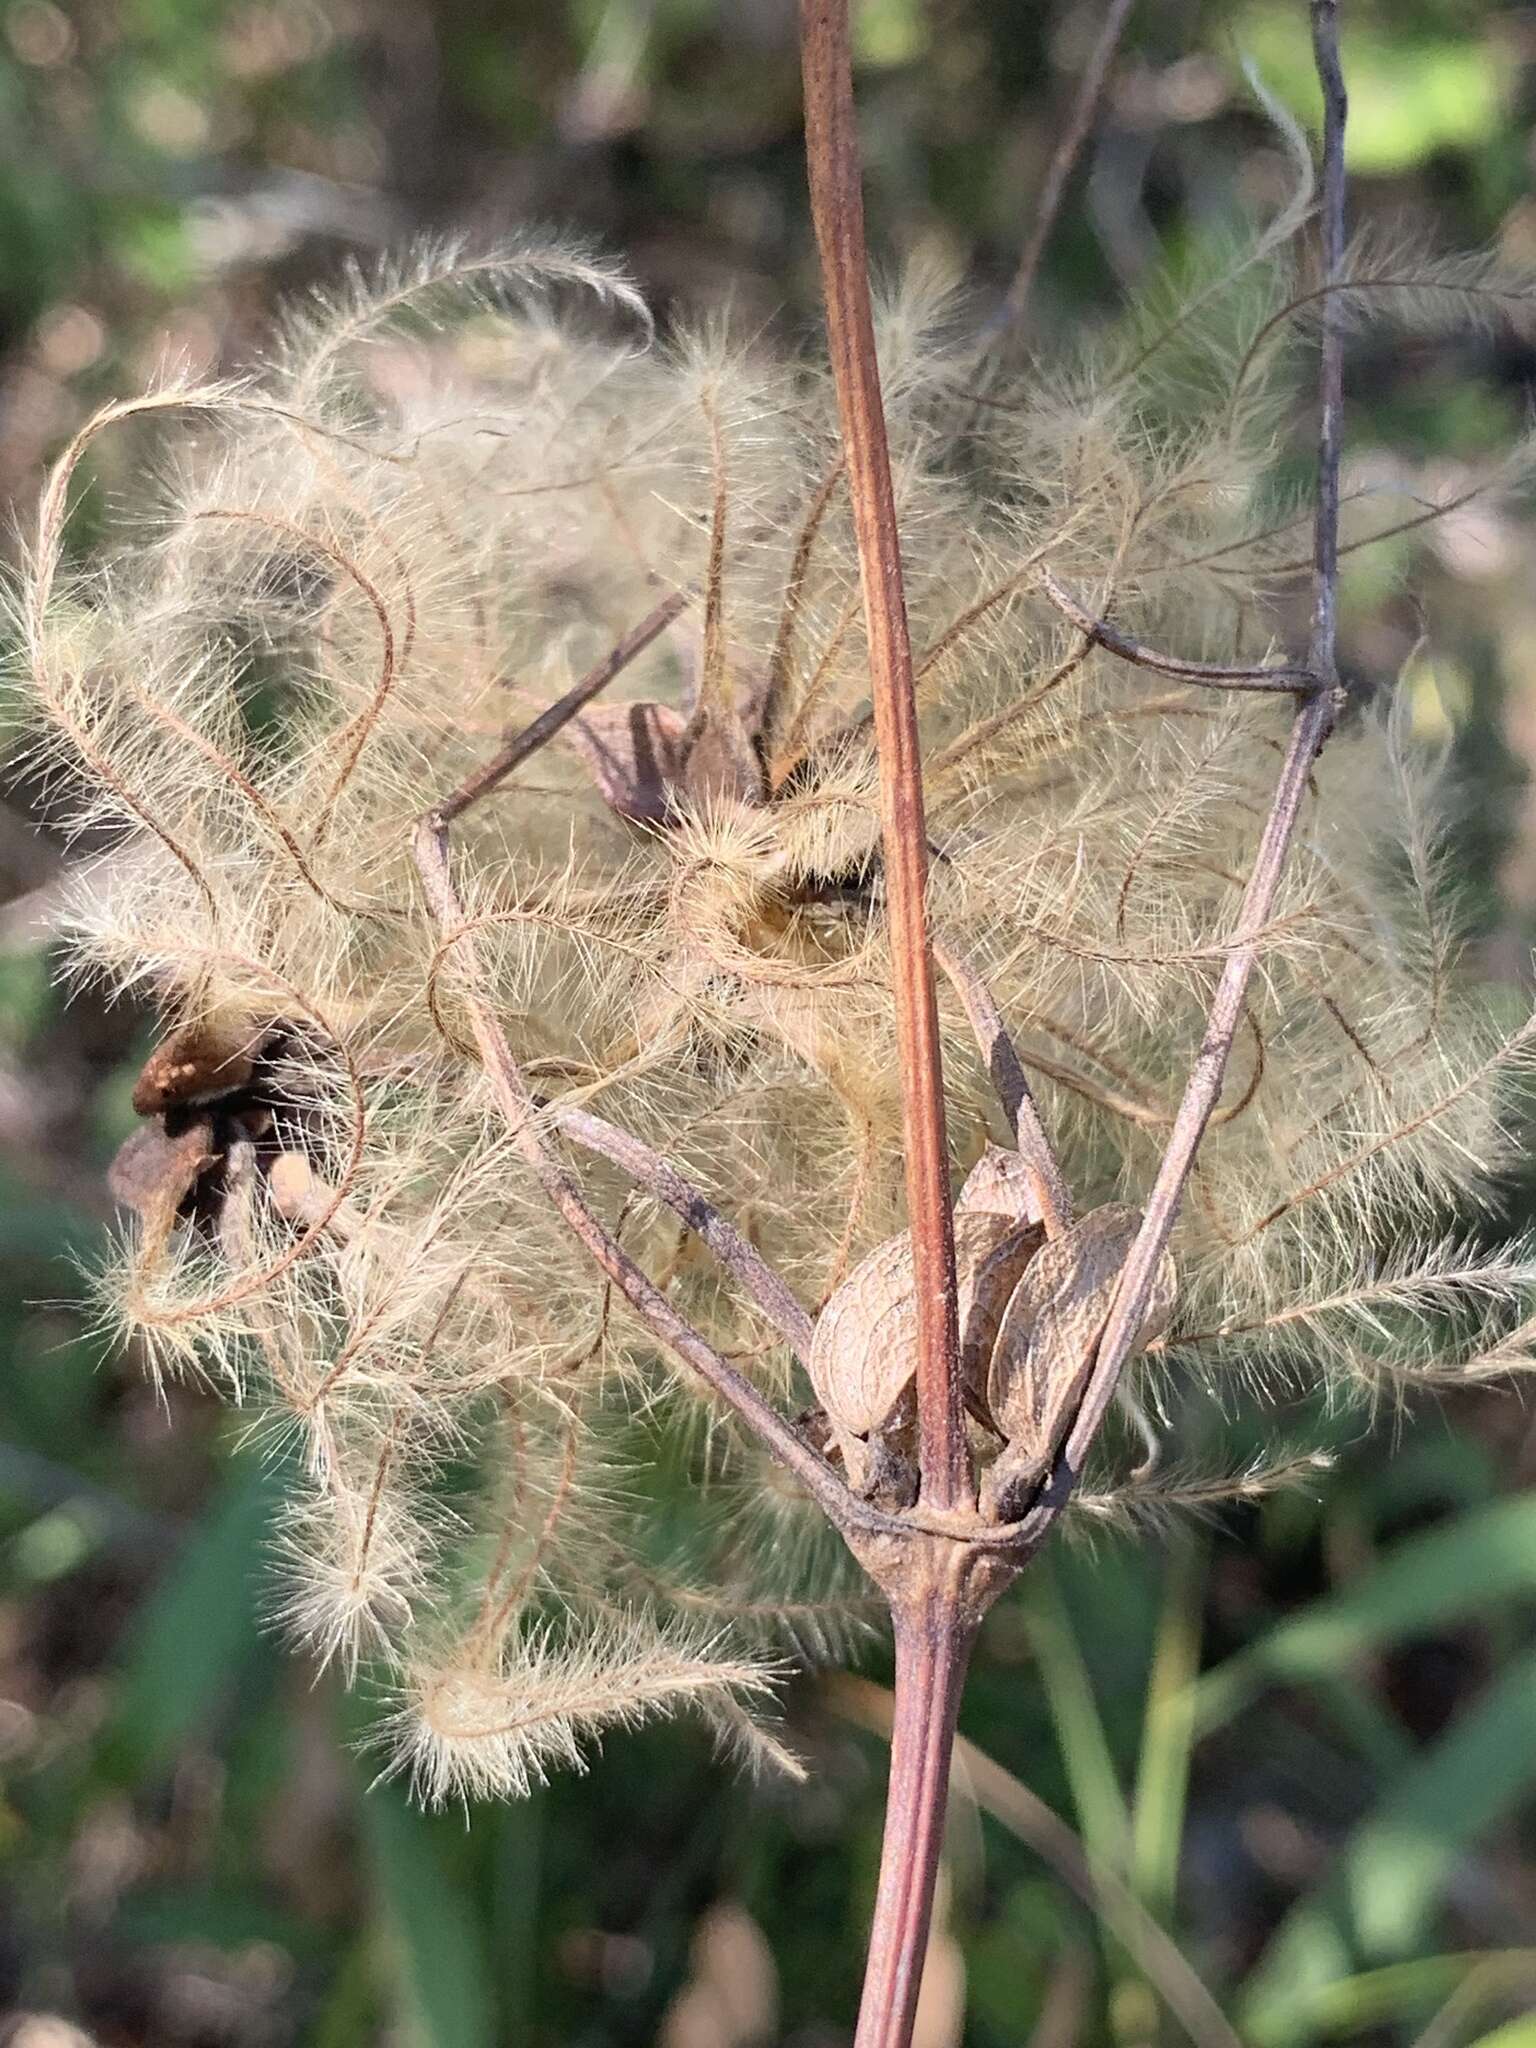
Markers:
point(542, 729)
point(661, 1179)
point(933, 1651)
point(1262, 676)
point(1325, 535)
point(837, 207)
point(521, 1114)
point(1314, 721)
point(1090, 91)
point(1012, 1085)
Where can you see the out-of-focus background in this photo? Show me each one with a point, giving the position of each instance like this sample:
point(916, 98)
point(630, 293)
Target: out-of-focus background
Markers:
point(1336, 1826)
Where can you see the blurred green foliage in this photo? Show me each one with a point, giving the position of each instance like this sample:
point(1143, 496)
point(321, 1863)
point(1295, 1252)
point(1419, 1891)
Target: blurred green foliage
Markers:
point(1305, 1739)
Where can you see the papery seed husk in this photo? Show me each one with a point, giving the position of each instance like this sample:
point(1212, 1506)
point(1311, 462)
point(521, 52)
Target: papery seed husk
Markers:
point(634, 754)
point(864, 1350)
point(153, 1173)
point(1000, 1183)
point(722, 761)
point(646, 757)
point(1049, 1333)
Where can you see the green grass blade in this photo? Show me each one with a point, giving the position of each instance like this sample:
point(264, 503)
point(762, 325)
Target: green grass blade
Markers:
point(1168, 1730)
point(199, 1636)
point(349, 2015)
point(1502, 1978)
point(1380, 1898)
point(517, 1856)
point(421, 1871)
point(1404, 1992)
point(1456, 1569)
point(1102, 1814)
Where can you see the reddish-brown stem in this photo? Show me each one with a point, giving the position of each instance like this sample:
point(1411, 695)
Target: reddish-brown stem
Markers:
point(1023, 1813)
point(933, 1651)
point(837, 207)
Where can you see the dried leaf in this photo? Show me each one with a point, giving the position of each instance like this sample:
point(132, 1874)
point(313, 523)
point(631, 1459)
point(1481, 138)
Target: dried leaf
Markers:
point(154, 1173)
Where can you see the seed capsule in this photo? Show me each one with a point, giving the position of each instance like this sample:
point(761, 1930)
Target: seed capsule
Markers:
point(153, 1173)
point(1001, 1184)
point(1048, 1339)
point(863, 1361)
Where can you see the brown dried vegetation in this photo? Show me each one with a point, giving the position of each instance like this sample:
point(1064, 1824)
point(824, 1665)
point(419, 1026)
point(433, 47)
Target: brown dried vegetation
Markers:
point(452, 493)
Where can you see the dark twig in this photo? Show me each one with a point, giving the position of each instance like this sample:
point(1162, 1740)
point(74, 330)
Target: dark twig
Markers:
point(1313, 723)
point(1089, 92)
point(837, 206)
point(549, 721)
point(1263, 676)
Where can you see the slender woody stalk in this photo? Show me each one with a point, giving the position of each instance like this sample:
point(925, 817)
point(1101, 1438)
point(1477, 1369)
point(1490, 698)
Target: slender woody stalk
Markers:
point(837, 207)
point(932, 1656)
point(520, 744)
point(1313, 723)
point(1214, 675)
point(935, 1623)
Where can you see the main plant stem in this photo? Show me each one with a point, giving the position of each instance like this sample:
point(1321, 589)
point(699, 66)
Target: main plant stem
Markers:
point(935, 1624)
point(933, 1638)
point(837, 208)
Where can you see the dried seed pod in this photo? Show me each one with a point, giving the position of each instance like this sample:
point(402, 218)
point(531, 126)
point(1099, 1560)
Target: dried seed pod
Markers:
point(863, 1360)
point(645, 757)
point(1002, 1184)
point(224, 1083)
point(634, 754)
point(1044, 1354)
point(294, 1187)
point(722, 760)
point(196, 1063)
